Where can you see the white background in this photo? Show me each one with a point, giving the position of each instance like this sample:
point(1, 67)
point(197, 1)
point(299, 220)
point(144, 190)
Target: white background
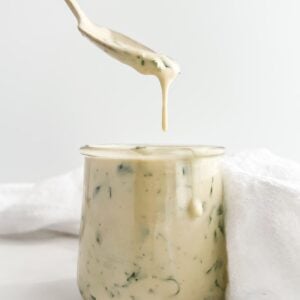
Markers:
point(239, 87)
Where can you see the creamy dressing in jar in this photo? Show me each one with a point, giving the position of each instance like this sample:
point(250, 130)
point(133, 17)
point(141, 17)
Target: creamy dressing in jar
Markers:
point(152, 225)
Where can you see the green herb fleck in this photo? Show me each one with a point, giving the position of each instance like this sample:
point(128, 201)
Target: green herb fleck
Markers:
point(145, 232)
point(160, 235)
point(131, 278)
point(218, 285)
point(221, 227)
point(110, 192)
point(215, 235)
point(93, 297)
point(112, 294)
point(171, 279)
point(209, 270)
point(148, 174)
point(140, 147)
point(183, 170)
point(98, 237)
point(124, 169)
point(97, 190)
point(218, 264)
point(211, 214)
point(166, 64)
point(220, 210)
point(212, 186)
point(142, 62)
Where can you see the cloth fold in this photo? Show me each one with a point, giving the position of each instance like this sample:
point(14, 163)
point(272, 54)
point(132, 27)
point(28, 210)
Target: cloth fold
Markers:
point(262, 199)
point(54, 204)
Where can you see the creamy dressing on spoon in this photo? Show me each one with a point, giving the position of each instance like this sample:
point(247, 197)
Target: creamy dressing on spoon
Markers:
point(130, 52)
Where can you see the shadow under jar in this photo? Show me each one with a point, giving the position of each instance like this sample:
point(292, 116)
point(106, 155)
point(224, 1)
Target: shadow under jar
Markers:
point(152, 224)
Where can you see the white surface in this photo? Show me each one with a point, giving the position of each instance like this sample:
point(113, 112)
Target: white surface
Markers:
point(262, 195)
point(239, 85)
point(38, 266)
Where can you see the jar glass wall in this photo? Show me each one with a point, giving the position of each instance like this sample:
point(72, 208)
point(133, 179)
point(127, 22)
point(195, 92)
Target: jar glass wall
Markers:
point(152, 224)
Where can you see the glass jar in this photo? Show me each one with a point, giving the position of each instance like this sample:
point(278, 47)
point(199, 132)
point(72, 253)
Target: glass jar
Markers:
point(152, 224)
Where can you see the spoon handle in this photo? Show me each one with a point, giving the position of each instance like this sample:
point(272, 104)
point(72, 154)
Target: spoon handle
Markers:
point(76, 10)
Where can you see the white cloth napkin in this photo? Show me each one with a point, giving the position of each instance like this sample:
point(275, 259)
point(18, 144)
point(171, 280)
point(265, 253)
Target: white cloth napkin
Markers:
point(262, 197)
point(53, 204)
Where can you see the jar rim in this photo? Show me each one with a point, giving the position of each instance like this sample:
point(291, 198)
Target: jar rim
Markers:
point(149, 151)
